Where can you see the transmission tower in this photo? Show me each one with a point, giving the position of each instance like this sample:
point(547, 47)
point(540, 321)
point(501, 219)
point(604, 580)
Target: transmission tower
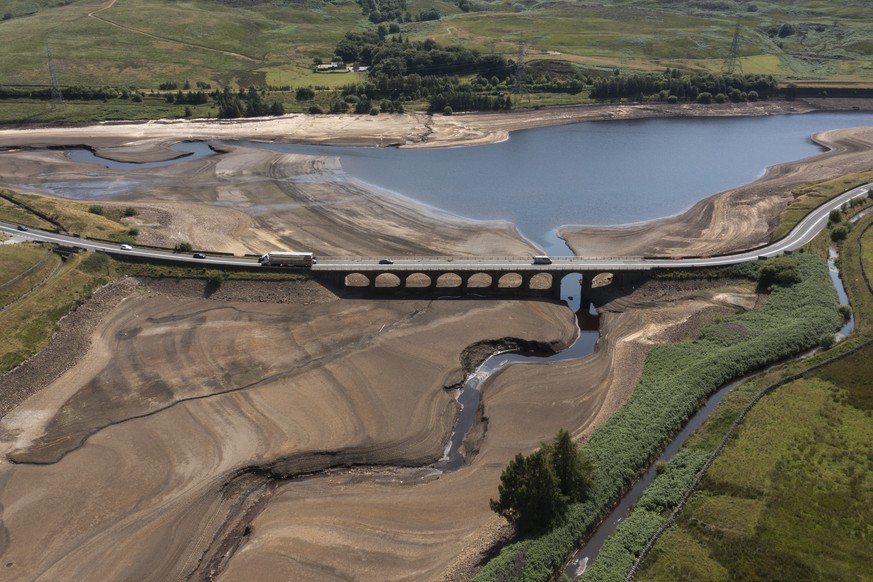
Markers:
point(733, 63)
point(57, 97)
point(518, 76)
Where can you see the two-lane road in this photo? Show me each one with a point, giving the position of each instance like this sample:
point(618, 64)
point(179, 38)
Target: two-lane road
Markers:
point(804, 232)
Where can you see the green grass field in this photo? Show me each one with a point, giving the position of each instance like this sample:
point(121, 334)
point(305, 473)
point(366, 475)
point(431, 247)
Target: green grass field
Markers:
point(790, 497)
point(75, 217)
point(33, 305)
point(140, 44)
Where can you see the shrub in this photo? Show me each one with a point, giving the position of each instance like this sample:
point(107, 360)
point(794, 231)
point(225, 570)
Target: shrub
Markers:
point(839, 233)
point(96, 209)
point(704, 98)
point(183, 247)
point(778, 271)
point(304, 94)
point(130, 211)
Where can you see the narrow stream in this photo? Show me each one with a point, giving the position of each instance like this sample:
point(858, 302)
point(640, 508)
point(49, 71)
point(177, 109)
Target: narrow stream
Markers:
point(588, 552)
point(470, 393)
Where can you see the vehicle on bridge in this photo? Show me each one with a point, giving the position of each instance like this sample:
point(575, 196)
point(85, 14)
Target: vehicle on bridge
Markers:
point(542, 260)
point(287, 259)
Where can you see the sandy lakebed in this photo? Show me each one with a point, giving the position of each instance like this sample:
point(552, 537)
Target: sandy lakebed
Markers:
point(270, 430)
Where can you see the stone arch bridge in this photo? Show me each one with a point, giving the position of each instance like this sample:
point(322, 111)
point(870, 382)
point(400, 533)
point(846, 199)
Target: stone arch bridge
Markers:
point(478, 277)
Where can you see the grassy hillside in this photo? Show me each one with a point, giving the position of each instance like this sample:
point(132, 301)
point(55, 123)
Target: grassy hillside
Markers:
point(145, 42)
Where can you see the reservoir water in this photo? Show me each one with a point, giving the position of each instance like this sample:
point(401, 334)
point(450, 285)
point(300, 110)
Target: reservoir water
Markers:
point(592, 173)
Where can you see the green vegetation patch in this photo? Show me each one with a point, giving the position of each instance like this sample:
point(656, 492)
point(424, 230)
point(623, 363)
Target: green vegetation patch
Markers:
point(15, 214)
point(800, 504)
point(87, 220)
point(855, 375)
point(28, 324)
point(688, 560)
point(812, 196)
point(728, 514)
point(675, 381)
point(23, 267)
point(621, 549)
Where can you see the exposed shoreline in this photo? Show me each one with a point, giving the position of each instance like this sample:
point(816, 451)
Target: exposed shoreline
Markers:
point(734, 220)
point(333, 378)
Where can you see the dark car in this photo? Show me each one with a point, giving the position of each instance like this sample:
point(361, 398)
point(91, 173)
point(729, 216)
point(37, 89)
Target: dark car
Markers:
point(22, 228)
point(386, 262)
point(199, 256)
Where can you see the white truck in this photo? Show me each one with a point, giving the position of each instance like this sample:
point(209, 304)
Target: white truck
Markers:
point(287, 259)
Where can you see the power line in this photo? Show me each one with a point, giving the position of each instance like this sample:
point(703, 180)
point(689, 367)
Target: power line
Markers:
point(733, 61)
point(57, 96)
point(518, 76)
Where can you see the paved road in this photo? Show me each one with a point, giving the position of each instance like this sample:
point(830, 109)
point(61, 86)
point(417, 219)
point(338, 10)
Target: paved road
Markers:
point(808, 228)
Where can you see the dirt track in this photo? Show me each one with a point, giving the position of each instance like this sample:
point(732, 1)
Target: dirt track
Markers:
point(159, 449)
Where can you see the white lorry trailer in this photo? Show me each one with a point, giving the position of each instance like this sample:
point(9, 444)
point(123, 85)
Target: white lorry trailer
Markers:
point(287, 259)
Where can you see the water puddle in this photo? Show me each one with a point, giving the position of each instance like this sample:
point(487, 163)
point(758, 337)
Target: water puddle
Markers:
point(193, 150)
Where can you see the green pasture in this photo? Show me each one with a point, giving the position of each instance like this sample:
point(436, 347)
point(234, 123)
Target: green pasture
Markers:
point(142, 43)
point(792, 493)
point(41, 299)
point(75, 217)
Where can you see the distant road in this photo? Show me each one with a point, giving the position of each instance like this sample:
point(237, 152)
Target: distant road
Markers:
point(804, 232)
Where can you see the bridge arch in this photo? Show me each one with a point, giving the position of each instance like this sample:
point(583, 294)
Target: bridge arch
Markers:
point(480, 281)
point(356, 280)
point(387, 280)
point(417, 281)
point(510, 280)
point(449, 281)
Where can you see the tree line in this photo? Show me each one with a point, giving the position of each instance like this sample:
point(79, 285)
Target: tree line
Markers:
point(404, 70)
point(673, 85)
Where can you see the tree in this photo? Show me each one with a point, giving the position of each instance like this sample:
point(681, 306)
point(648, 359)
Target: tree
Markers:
point(534, 491)
point(839, 233)
point(781, 271)
point(529, 494)
point(184, 247)
point(835, 216)
point(571, 468)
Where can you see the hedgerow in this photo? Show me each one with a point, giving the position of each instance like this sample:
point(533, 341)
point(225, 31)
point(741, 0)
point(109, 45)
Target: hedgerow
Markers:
point(676, 380)
point(621, 549)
